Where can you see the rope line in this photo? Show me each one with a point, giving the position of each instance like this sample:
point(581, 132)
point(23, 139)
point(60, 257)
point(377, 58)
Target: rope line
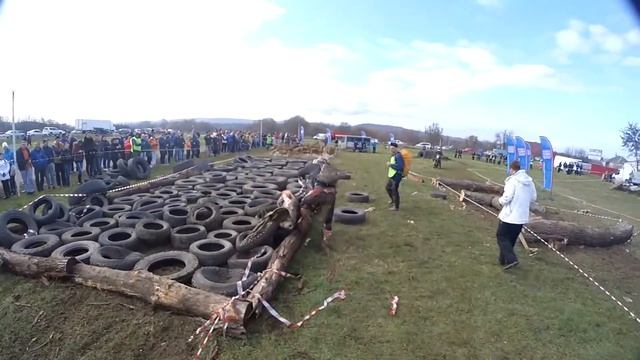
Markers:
point(589, 277)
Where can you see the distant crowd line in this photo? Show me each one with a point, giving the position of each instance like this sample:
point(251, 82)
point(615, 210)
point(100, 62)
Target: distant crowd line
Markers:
point(49, 164)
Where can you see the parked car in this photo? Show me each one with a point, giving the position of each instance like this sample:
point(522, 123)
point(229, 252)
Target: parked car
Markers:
point(52, 131)
point(76, 132)
point(423, 144)
point(9, 134)
point(34, 132)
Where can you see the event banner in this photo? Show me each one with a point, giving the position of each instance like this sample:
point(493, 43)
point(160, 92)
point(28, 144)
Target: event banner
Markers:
point(547, 163)
point(528, 155)
point(511, 151)
point(328, 136)
point(301, 137)
point(521, 152)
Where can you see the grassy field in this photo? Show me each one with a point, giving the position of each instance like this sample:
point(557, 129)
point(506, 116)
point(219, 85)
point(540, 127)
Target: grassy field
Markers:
point(455, 301)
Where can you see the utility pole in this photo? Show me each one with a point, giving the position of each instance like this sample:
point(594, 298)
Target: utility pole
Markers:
point(13, 135)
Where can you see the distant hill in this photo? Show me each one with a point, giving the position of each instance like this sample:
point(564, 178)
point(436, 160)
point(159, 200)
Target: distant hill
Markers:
point(231, 121)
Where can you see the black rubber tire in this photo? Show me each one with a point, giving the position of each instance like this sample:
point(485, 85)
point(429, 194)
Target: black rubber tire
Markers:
point(146, 204)
point(349, 216)
point(156, 213)
point(240, 223)
point(191, 198)
point(212, 252)
point(226, 213)
point(207, 215)
point(223, 195)
point(238, 183)
point(294, 187)
point(56, 228)
point(221, 280)
point(157, 197)
point(153, 232)
point(63, 212)
point(183, 236)
point(287, 173)
point(123, 168)
point(81, 250)
point(245, 196)
point(266, 194)
point(240, 260)
point(439, 195)
point(255, 186)
point(103, 223)
point(131, 218)
point(115, 257)
point(235, 202)
point(138, 168)
point(357, 197)
point(208, 187)
point(211, 200)
point(39, 245)
point(122, 181)
point(82, 214)
point(175, 200)
point(26, 226)
point(169, 258)
point(96, 200)
point(87, 188)
point(217, 177)
point(232, 189)
point(115, 209)
point(50, 208)
point(125, 200)
point(123, 237)
point(258, 206)
point(280, 181)
point(183, 166)
point(267, 239)
point(176, 216)
point(224, 234)
point(170, 193)
point(191, 182)
point(174, 205)
point(80, 234)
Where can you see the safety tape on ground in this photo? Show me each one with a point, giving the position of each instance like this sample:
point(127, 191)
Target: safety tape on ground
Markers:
point(218, 316)
point(589, 277)
point(585, 212)
point(340, 295)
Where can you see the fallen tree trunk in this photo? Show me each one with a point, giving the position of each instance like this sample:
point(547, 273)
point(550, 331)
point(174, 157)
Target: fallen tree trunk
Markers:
point(471, 186)
point(492, 201)
point(140, 284)
point(281, 258)
point(581, 235)
point(147, 186)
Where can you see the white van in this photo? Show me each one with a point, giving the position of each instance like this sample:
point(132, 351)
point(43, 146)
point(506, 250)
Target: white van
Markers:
point(50, 130)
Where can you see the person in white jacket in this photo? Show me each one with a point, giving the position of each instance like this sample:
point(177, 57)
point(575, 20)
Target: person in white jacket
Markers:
point(5, 168)
point(519, 193)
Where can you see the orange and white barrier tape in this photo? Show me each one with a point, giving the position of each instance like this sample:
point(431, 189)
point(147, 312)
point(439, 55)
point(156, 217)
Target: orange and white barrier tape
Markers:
point(340, 295)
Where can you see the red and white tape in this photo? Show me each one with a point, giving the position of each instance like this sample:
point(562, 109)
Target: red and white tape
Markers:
point(340, 295)
point(394, 306)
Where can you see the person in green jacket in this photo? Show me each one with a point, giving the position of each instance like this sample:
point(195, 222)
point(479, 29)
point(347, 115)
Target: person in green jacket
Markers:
point(269, 141)
point(136, 145)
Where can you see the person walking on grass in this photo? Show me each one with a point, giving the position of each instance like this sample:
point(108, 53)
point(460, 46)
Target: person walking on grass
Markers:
point(23, 159)
point(51, 167)
point(519, 193)
point(5, 168)
point(39, 161)
point(395, 167)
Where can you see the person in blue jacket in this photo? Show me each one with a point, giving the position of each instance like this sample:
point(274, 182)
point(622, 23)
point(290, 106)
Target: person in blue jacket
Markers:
point(395, 167)
point(40, 162)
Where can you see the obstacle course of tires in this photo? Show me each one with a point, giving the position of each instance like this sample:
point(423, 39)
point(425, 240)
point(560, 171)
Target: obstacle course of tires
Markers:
point(198, 231)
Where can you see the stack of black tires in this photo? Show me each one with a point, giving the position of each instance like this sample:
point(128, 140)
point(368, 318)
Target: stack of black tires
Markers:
point(193, 231)
point(136, 168)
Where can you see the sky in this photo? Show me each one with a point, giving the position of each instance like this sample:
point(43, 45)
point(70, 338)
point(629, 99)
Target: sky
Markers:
point(567, 69)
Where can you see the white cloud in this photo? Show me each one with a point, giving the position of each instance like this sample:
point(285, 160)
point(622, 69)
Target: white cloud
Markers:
point(631, 61)
point(582, 38)
point(489, 3)
point(201, 59)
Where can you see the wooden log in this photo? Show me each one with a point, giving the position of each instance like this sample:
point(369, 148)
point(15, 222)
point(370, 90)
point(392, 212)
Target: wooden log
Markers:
point(147, 186)
point(492, 201)
point(279, 261)
point(577, 234)
point(473, 186)
point(140, 284)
